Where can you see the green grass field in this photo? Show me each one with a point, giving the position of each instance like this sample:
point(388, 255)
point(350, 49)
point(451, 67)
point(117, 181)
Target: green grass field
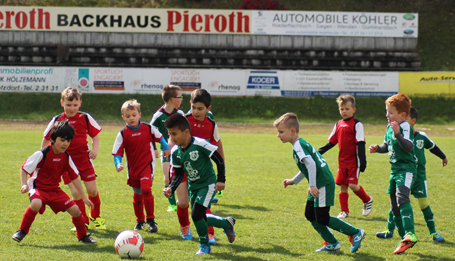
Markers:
point(270, 220)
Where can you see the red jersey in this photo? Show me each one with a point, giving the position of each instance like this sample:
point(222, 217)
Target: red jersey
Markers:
point(46, 169)
point(138, 146)
point(83, 125)
point(347, 133)
point(206, 129)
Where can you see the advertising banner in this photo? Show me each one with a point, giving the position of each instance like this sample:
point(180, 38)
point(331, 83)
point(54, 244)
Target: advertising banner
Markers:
point(353, 24)
point(427, 83)
point(207, 21)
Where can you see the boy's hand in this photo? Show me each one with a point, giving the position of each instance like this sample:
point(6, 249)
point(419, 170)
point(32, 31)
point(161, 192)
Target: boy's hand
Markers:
point(395, 127)
point(444, 162)
point(373, 148)
point(287, 182)
point(120, 167)
point(167, 192)
point(157, 155)
point(89, 203)
point(314, 191)
point(24, 189)
point(167, 153)
point(92, 154)
point(219, 186)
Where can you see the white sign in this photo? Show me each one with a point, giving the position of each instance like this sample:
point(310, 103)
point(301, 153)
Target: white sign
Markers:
point(353, 24)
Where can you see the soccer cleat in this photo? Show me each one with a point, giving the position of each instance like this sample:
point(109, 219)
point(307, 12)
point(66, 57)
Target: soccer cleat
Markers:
point(87, 239)
point(186, 234)
point(343, 214)
point(437, 237)
point(356, 240)
point(230, 229)
point(152, 225)
point(172, 208)
point(212, 239)
point(366, 209)
point(19, 235)
point(204, 249)
point(139, 225)
point(408, 241)
point(385, 234)
point(326, 246)
point(99, 222)
point(214, 200)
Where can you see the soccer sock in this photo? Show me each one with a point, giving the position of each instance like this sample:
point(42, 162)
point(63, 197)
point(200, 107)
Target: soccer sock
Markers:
point(182, 214)
point(95, 212)
point(324, 231)
point(171, 199)
point(216, 221)
point(362, 195)
point(81, 205)
point(138, 207)
point(407, 216)
point(399, 223)
point(27, 219)
point(202, 231)
point(429, 219)
point(211, 229)
point(79, 223)
point(149, 203)
point(342, 227)
point(344, 197)
point(391, 222)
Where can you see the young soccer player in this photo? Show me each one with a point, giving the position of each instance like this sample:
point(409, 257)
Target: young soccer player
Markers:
point(321, 192)
point(419, 189)
point(46, 168)
point(80, 152)
point(172, 97)
point(193, 155)
point(349, 135)
point(398, 143)
point(137, 139)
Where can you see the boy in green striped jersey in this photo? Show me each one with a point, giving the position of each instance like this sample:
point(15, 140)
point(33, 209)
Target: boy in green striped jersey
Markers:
point(321, 193)
point(419, 189)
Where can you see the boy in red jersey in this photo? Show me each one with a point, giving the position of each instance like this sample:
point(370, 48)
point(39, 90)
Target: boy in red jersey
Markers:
point(80, 152)
point(349, 135)
point(138, 141)
point(46, 168)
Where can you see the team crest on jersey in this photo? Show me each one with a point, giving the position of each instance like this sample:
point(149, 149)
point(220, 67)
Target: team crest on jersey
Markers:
point(419, 144)
point(194, 155)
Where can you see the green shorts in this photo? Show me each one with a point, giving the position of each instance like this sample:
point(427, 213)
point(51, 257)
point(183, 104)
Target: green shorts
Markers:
point(326, 196)
point(203, 195)
point(419, 189)
point(400, 178)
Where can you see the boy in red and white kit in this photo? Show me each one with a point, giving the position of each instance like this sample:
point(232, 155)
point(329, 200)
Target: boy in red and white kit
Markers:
point(138, 139)
point(46, 168)
point(349, 135)
point(80, 152)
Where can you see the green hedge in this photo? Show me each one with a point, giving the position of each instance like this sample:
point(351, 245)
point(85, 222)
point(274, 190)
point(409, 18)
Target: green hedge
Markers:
point(432, 110)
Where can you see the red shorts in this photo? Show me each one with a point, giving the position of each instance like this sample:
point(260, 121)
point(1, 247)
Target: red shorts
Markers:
point(86, 172)
point(57, 199)
point(143, 181)
point(171, 175)
point(346, 176)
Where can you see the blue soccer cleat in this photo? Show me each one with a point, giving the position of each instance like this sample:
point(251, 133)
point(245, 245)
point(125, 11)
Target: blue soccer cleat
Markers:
point(437, 237)
point(186, 234)
point(385, 234)
point(214, 200)
point(356, 240)
point(212, 239)
point(230, 229)
point(329, 247)
point(204, 249)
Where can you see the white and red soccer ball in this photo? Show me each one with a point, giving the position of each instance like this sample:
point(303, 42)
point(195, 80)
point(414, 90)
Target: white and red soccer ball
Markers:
point(129, 244)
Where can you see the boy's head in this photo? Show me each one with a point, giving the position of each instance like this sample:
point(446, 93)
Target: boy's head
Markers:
point(288, 127)
point(71, 101)
point(412, 117)
point(179, 129)
point(61, 135)
point(346, 106)
point(398, 107)
point(131, 112)
point(200, 103)
point(172, 94)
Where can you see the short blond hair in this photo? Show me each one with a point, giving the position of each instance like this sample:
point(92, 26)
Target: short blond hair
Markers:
point(289, 120)
point(71, 93)
point(345, 98)
point(131, 105)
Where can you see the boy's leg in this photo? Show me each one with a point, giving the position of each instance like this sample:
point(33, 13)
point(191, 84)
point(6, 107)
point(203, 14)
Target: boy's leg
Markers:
point(390, 227)
point(78, 221)
point(342, 180)
point(138, 206)
point(77, 198)
point(182, 209)
point(165, 164)
point(27, 219)
point(36, 205)
point(149, 203)
point(310, 215)
point(212, 238)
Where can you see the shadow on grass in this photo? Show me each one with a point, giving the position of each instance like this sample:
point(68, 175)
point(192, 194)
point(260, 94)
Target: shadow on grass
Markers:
point(431, 257)
point(275, 249)
point(249, 207)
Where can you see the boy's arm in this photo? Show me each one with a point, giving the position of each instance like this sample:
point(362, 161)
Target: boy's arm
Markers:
point(176, 179)
point(220, 148)
point(438, 152)
point(326, 147)
point(362, 156)
point(93, 153)
point(77, 183)
point(218, 159)
point(405, 144)
point(379, 148)
point(118, 163)
point(24, 187)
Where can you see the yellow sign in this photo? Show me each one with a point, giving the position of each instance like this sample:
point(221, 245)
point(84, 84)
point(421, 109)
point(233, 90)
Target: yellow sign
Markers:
point(432, 83)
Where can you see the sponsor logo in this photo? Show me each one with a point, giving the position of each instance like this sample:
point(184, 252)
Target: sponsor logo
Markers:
point(136, 134)
point(83, 78)
point(409, 17)
point(34, 19)
point(152, 86)
point(68, 201)
point(263, 80)
point(57, 159)
point(408, 31)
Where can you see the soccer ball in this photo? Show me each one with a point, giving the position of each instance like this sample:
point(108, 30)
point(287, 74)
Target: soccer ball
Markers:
point(129, 244)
